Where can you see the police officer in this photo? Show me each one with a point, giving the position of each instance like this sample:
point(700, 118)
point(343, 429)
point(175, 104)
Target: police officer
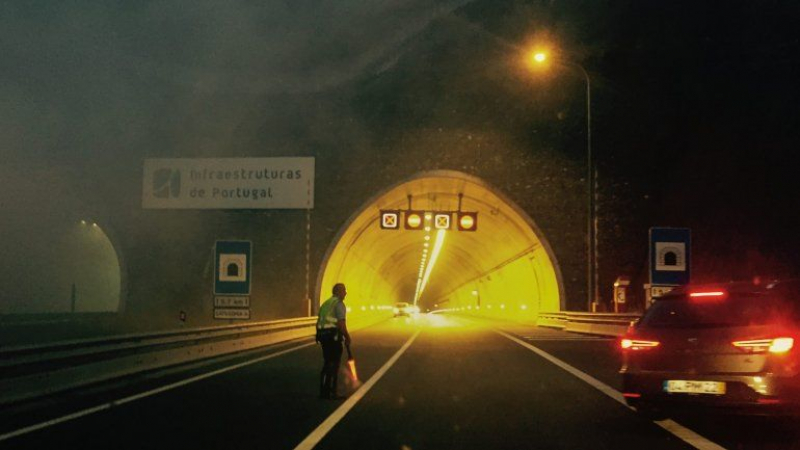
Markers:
point(331, 331)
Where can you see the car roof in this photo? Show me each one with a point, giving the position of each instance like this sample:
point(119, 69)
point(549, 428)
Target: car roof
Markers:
point(737, 287)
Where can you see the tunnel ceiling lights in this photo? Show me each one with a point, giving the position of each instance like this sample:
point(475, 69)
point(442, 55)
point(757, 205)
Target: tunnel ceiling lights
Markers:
point(416, 220)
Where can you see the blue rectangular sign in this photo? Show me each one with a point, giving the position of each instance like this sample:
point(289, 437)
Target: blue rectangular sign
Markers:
point(232, 267)
point(670, 256)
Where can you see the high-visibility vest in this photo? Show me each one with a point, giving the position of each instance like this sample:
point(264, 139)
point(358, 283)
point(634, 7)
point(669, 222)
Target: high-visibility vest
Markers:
point(326, 318)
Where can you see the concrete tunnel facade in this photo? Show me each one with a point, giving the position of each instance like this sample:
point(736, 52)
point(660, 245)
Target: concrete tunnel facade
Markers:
point(505, 268)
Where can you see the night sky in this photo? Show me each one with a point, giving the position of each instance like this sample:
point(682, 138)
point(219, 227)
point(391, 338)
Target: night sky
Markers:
point(694, 103)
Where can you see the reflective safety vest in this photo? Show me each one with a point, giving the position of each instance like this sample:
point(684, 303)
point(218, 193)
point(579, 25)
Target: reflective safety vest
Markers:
point(326, 317)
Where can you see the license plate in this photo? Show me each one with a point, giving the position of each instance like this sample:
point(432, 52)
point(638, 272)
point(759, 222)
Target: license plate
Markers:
point(694, 387)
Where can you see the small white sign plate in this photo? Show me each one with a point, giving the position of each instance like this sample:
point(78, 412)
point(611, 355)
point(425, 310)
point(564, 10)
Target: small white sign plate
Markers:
point(230, 313)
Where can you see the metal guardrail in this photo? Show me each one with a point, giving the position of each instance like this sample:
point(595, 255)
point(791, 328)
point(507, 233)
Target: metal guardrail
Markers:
point(30, 371)
point(606, 324)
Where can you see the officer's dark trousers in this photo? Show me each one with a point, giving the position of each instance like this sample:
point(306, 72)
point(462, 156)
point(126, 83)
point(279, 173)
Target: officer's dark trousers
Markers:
point(332, 353)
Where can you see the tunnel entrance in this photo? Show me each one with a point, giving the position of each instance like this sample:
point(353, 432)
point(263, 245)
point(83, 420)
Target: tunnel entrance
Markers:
point(505, 268)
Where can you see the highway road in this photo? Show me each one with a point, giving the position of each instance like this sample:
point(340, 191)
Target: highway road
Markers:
point(432, 382)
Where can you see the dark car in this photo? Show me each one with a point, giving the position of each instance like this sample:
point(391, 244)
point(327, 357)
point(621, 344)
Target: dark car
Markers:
point(732, 346)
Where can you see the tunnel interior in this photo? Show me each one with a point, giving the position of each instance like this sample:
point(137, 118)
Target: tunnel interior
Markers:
point(58, 257)
point(504, 268)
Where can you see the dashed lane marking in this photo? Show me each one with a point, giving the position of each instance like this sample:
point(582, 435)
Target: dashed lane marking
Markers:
point(681, 432)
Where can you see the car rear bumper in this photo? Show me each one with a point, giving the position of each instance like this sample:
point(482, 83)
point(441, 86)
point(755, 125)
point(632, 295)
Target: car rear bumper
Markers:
point(746, 394)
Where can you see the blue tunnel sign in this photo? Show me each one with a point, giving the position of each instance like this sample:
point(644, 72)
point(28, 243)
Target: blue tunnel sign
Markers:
point(670, 262)
point(232, 267)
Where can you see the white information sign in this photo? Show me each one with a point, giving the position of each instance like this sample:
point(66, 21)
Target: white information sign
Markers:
point(228, 313)
point(237, 301)
point(228, 183)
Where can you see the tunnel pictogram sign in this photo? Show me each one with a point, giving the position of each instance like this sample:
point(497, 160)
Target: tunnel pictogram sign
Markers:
point(670, 261)
point(232, 264)
point(390, 220)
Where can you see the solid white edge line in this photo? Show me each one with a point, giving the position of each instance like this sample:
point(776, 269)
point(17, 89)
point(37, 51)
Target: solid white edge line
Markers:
point(678, 430)
point(124, 400)
point(327, 425)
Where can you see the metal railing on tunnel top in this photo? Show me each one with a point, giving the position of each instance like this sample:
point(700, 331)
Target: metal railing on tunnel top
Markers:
point(605, 324)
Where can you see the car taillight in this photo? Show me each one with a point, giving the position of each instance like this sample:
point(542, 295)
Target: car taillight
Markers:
point(777, 345)
point(703, 296)
point(638, 344)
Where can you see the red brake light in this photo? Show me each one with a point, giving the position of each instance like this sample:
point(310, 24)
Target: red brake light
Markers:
point(709, 295)
point(638, 344)
point(777, 345)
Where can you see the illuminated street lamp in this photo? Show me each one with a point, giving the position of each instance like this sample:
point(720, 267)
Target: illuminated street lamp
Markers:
point(593, 293)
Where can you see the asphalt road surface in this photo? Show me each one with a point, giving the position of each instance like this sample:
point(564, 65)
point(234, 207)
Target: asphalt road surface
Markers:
point(432, 382)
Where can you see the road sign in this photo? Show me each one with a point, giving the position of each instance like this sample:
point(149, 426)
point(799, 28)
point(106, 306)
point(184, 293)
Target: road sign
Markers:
point(232, 267)
point(232, 313)
point(232, 301)
point(670, 257)
point(390, 220)
point(228, 183)
point(414, 220)
point(441, 221)
point(467, 221)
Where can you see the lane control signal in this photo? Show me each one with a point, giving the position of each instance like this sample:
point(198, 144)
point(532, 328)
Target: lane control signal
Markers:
point(414, 220)
point(467, 221)
point(390, 220)
point(441, 221)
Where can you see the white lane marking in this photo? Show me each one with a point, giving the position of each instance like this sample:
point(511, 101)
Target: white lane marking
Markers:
point(325, 427)
point(124, 400)
point(683, 433)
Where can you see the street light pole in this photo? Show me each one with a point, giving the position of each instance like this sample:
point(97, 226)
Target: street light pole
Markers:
point(592, 281)
point(592, 288)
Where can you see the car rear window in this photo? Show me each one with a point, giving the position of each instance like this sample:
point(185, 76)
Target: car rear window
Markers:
point(739, 310)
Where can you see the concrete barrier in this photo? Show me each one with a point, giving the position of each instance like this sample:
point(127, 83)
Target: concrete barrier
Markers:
point(604, 324)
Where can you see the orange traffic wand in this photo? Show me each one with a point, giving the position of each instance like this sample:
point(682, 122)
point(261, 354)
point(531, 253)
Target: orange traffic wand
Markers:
point(351, 364)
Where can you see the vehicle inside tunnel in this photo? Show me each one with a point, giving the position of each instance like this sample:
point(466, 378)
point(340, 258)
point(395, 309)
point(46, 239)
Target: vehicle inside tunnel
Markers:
point(489, 260)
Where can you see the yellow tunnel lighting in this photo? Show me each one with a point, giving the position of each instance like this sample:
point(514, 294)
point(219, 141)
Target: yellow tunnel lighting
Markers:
point(379, 265)
point(437, 248)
